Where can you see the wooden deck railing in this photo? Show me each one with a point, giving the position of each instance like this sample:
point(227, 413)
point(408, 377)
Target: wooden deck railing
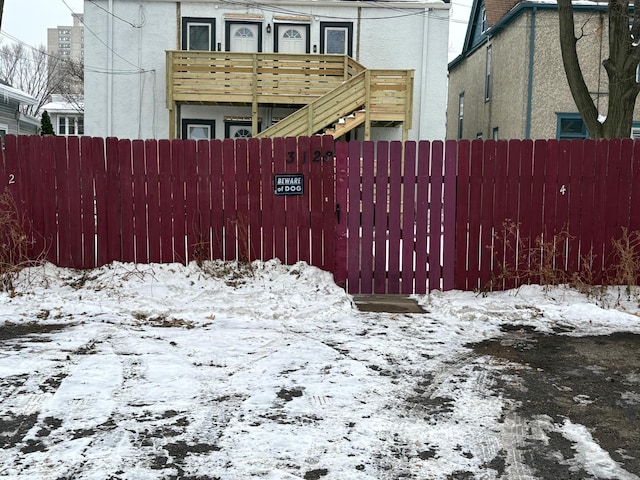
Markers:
point(223, 77)
point(330, 86)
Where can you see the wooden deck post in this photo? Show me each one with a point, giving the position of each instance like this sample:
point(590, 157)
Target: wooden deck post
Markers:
point(170, 103)
point(254, 98)
point(367, 105)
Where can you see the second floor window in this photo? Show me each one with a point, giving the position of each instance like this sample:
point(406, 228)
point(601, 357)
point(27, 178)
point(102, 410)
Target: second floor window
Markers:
point(336, 38)
point(487, 77)
point(198, 33)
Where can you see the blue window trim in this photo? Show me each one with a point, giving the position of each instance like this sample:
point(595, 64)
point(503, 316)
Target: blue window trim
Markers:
point(570, 116)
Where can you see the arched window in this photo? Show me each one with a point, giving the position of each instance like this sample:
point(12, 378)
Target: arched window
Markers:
point(244, 32)
point(291, 33)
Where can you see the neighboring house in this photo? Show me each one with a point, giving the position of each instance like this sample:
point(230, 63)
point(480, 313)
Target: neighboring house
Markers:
point(509, 81)
point(67, 117)
point(204, 69)
point(12, 120)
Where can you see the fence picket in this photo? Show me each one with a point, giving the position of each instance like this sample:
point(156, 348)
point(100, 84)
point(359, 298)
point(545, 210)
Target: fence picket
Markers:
point(195, 237)
point(612, 230)
point(305, 159)
point(217, 199)
point(204, 209)
point(292, 166)
point(342, 174)
point(140, 201)
point(75, 211)
point(46, 184)
point(266, 176)
point(463, 227)
point(587, 202)
point(408, 234)
point(153, 203)
point(354, 214)
point(367, 220)
point(435, 215)
point(634, 221)
point(62, 195)
point(327, 149)
point(316, 201)
point(577, 199)
point(381, 218)
point(128, 211)
point(449, 217)
point(165, 201)
point(561, 220)
point(423, 255)
point(179, 201)
point(255, 216)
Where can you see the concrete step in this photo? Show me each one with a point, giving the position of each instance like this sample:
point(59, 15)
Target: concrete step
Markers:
point(387, 304)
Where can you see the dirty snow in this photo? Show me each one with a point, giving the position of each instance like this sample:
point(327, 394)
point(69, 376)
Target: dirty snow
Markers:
point(173, 371)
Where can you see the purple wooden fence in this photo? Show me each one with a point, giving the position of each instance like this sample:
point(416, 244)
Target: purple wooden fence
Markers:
point(385, 217)
point(88, 201)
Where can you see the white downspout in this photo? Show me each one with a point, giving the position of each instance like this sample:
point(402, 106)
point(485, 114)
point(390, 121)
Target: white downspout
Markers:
point(425, 59)
point(110, 69)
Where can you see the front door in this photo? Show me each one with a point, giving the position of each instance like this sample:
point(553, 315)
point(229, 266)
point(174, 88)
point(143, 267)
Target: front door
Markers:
point(244, 37)
point(292, 38)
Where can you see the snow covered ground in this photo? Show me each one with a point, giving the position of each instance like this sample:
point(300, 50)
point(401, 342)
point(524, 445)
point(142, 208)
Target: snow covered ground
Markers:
point(168, 371)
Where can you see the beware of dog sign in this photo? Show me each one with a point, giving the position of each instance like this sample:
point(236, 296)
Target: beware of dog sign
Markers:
point(288, 184)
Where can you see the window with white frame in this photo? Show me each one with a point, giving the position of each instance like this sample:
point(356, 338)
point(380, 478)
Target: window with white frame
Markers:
point(336, 38)
point(197, 129)
point(635, 130)
point(198, 33)
point(483, 19)
point(487, 76)
point(70, 125)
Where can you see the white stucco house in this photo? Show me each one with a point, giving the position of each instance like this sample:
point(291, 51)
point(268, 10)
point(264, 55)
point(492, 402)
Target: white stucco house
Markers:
point(207, 69)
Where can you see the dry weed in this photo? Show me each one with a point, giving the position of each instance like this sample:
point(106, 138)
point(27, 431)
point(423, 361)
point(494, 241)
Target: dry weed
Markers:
point(14, 243)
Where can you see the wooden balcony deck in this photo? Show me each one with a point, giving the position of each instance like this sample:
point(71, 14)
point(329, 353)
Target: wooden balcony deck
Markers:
point(228, 78)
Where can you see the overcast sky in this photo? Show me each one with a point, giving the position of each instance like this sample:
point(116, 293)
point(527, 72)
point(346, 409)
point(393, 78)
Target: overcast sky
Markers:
point(28, 20)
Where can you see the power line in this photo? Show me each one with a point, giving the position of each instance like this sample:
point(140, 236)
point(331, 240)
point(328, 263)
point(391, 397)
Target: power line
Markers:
point(102, 41)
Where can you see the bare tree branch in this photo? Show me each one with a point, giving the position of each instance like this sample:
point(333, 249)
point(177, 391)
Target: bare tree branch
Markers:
point(40, 74)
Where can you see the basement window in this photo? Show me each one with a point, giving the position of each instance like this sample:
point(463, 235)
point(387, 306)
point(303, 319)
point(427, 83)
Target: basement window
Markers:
point(570, 126)
point(196, 129)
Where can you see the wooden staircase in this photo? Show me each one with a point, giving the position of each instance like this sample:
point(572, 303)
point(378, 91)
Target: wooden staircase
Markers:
point(346, 124)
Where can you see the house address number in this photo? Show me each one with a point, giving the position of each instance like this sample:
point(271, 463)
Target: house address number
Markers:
point(316, 156)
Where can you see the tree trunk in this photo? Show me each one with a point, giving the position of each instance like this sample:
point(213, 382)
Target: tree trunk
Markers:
point(572, 70)
point(621, 70)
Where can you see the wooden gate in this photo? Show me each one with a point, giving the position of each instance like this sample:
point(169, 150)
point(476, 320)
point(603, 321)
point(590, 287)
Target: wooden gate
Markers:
point(396, 216)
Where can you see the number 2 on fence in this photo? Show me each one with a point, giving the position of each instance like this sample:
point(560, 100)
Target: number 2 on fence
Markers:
point(12, 179)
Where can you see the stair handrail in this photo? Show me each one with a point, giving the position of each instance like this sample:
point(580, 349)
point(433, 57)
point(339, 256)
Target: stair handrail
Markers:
point(308, 120)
